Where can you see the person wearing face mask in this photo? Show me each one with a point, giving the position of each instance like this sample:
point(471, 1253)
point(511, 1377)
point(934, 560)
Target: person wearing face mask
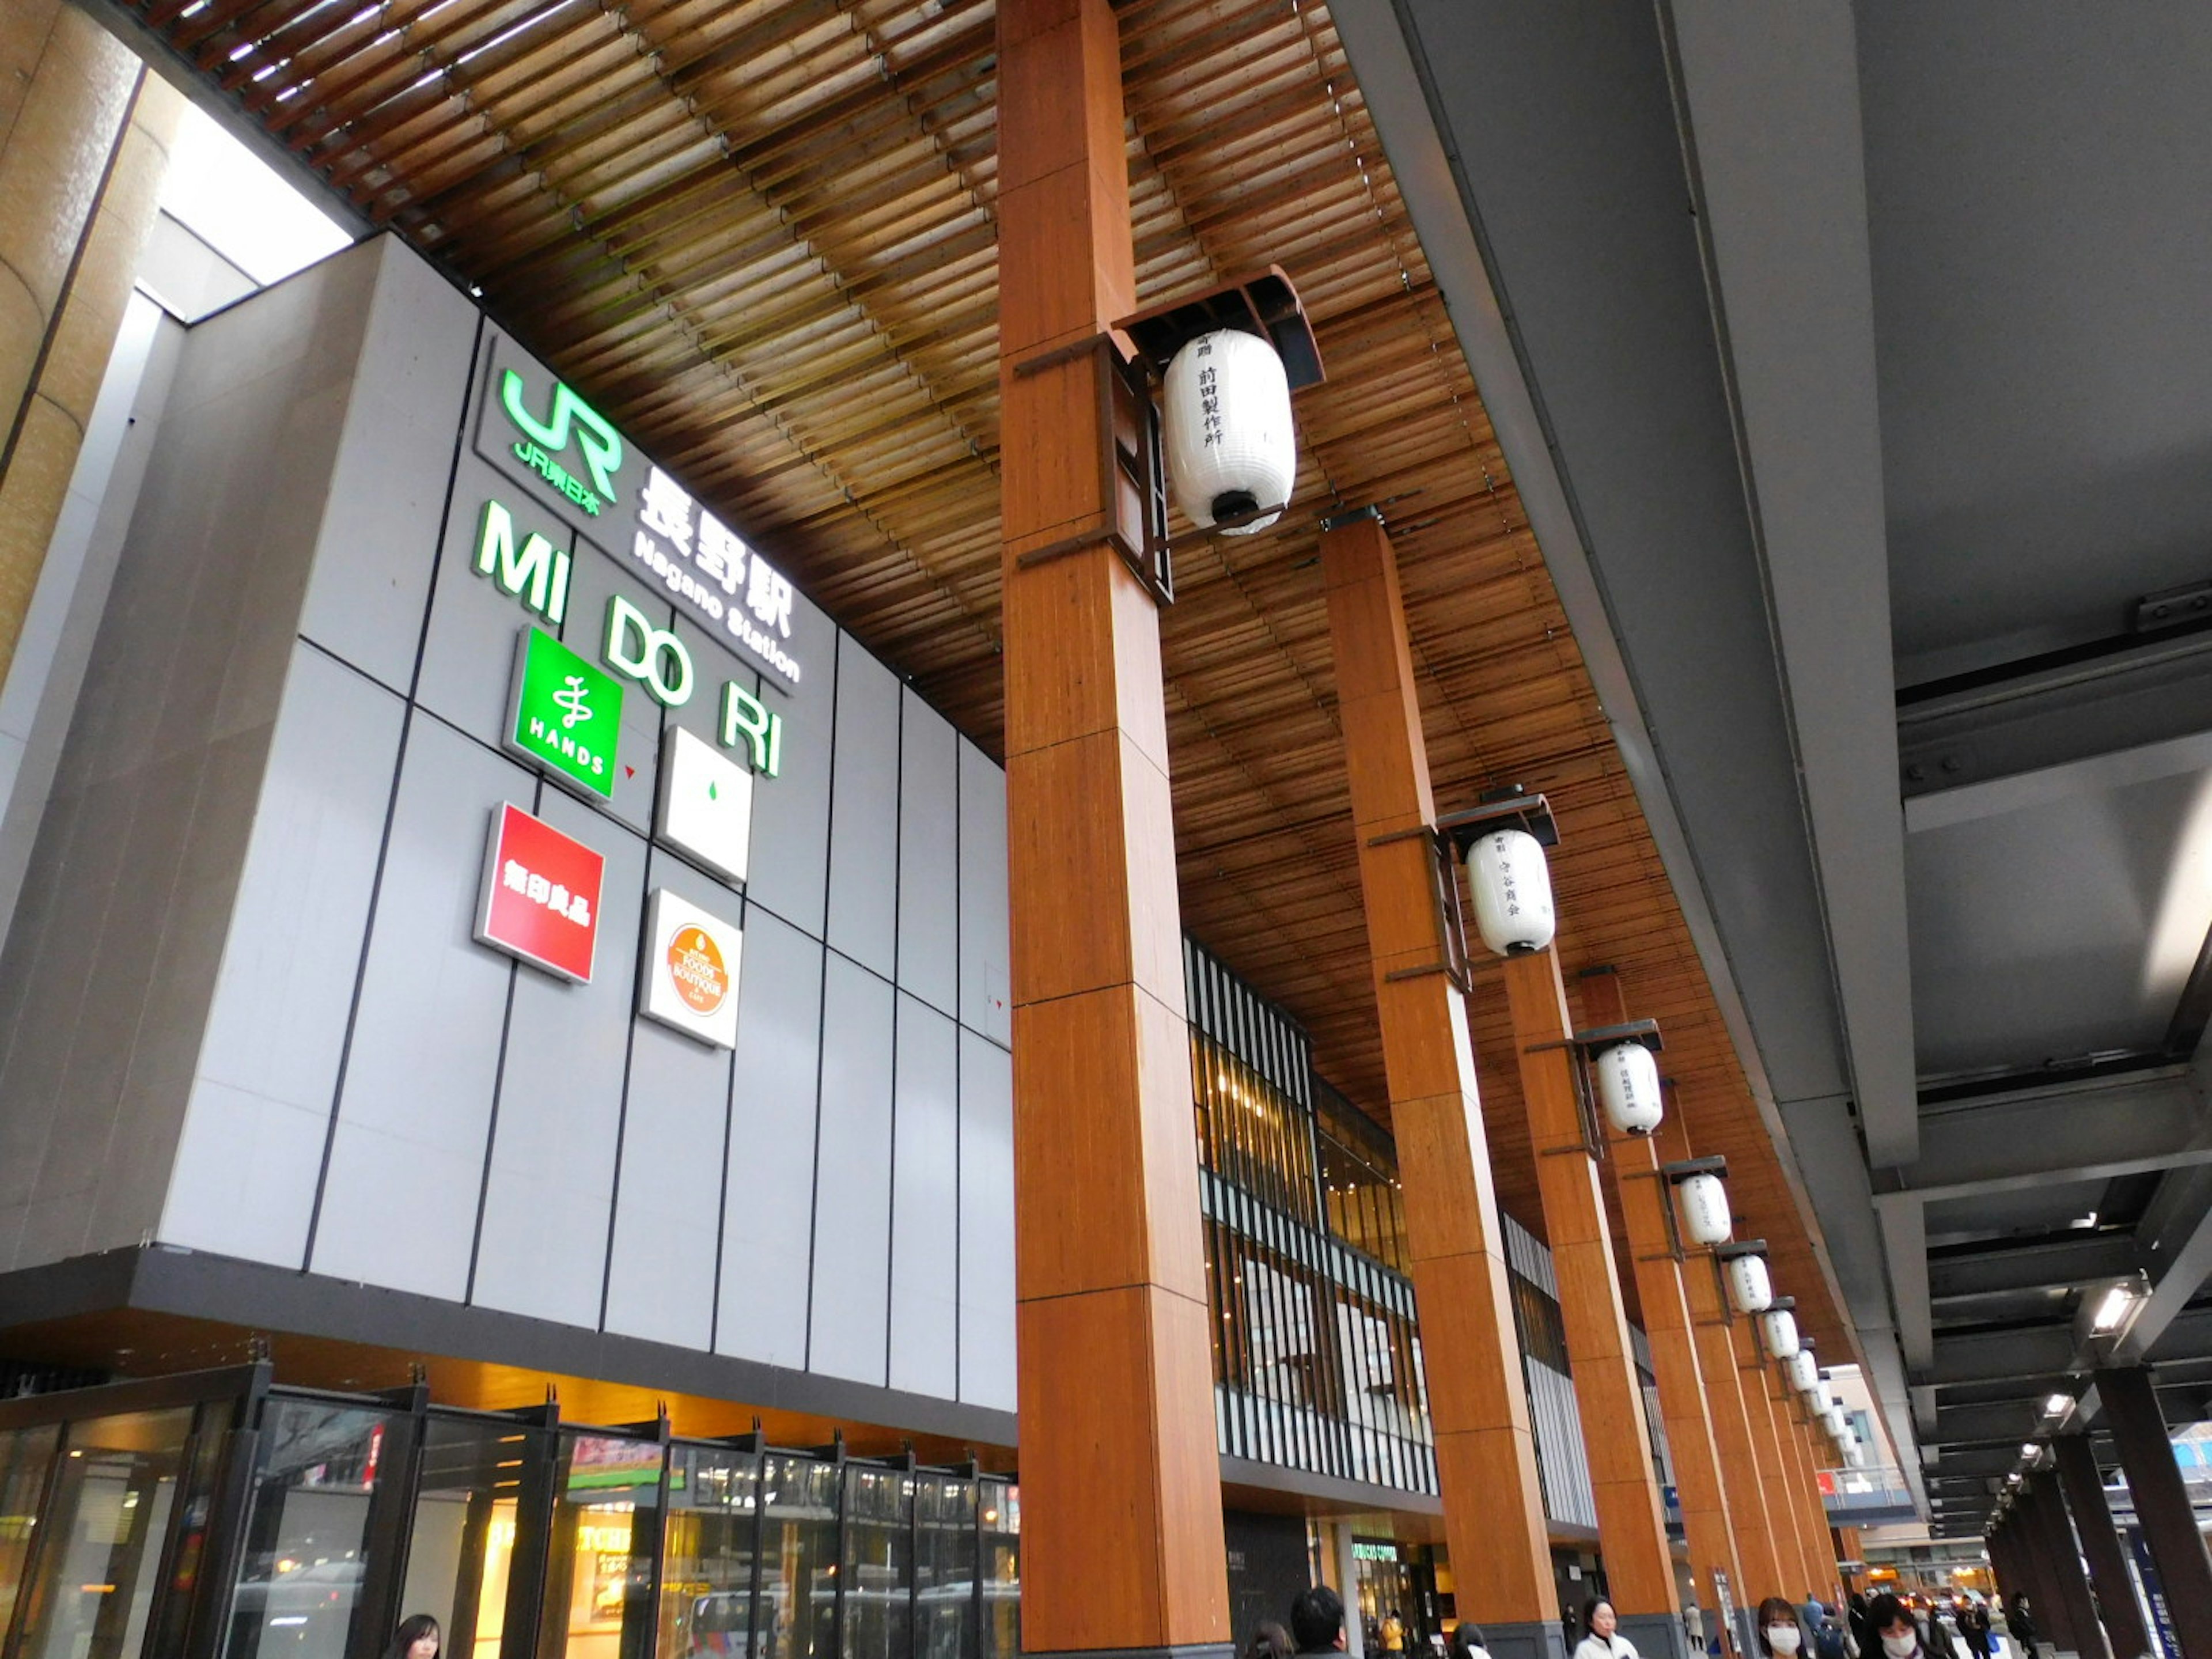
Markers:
point(1780, 1634)
point(1895, 1626)
point(1601, 1636)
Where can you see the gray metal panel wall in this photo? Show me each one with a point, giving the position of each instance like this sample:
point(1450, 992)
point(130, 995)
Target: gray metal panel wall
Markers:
point(928, 855)
point(107, 979)
point(987, 1223)
point(404, 1106)
point(985, 949)
point(252, 1149)
point(849, 1326)
point(925, 1334)
point(864, 813)
point(767, 1233)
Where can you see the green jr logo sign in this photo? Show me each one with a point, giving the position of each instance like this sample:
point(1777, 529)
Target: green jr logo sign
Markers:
point(544, 442)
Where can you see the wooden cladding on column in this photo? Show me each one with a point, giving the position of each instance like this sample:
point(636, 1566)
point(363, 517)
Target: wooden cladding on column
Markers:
point(1120, 1483)
point(1631, 1525)
point(1485, 1452)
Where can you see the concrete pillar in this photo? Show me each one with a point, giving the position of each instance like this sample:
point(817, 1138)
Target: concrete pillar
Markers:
point(1121, 1485)
point(2083, 1488)
point(84, 139)
point(2162, 1507)
point(1486, 1451)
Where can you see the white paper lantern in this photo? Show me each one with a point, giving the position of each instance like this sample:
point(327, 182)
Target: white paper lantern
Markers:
point(1838, 1423)
point(1804, 1371)
point(1855, 1455)
point(1628, 1088)
point(1701, 1201)
point(1780, 1327)
point(1749, 1288)
point(1513, 886)
point(1226, 419)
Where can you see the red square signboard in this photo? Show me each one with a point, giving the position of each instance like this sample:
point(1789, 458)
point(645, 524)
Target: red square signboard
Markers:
point(541, 895)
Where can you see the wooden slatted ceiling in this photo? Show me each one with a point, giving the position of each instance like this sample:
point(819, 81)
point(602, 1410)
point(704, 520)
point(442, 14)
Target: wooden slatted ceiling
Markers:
point(761, 235)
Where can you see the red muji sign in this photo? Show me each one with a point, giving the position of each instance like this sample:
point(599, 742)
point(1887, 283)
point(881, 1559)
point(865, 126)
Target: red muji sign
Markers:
point(541, 895)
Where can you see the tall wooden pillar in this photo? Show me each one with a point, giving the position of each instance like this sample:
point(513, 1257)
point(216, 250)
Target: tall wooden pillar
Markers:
point(2162, 1506)
point(1485, 1452)
point(1631, 1527)
point(2084, 1490)
point(1813, 1443)
point(1710, 1326)
point(1683, 1396)
point(1760, 1383)
point(1121, 1485)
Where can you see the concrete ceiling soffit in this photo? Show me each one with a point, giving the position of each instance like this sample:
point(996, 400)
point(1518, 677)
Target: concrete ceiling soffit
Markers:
point(1609, 403)
point(1769, 108)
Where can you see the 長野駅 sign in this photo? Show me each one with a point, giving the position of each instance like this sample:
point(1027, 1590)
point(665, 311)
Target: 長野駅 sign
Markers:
point(636, 513)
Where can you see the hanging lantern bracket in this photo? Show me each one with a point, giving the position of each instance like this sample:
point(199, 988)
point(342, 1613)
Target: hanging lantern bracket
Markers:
point(1265, 303)
point(1133, 475)
point(1597, 1040)
point(1444, 906)
point(1509, 808)
point(1680, 1172)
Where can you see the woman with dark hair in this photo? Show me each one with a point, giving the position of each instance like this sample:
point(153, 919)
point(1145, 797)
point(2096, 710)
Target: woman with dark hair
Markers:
point(2019, 1626)
point(1601, 1635)
point(1467, 1642)
point(418, 1637)
point(1269, 1641)
point(1896, 1629)
point(1781, 1633)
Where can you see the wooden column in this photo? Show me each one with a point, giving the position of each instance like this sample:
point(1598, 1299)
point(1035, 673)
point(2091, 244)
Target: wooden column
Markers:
point(1760, 1381)
point(2162, 1507)
point(1813, 1455)
point(1640, 1569)
point(1121, 1485)
point(1485, 1453)
point(2083, 1488)
point(1710, 1326)
point(1659, 1292)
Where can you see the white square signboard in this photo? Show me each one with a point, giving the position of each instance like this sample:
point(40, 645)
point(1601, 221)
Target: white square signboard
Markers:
point(692, 958)
point(706, 803)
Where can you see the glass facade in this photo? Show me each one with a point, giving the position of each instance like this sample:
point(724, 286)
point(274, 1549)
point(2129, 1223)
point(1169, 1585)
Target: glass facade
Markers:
point(138, 1521)
point(1316, 1354)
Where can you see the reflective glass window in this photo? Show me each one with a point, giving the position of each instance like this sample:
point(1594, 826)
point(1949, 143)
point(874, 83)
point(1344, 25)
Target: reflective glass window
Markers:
point(1002, 1570)
point(707, 1558)
point(945, 1568)
point(463, 1537)
point(878, 1564)
point(606, 1537)
point(27, 1455)
point(102, 1535)
point(307, 1535)
point(798, 1613)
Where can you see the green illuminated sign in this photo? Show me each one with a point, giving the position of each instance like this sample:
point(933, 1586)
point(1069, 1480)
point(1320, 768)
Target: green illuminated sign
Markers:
point(535, 571)
point(567, 713)
point(571, 419)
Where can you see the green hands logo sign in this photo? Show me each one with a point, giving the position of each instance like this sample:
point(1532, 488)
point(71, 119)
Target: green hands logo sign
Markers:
point(544, 442)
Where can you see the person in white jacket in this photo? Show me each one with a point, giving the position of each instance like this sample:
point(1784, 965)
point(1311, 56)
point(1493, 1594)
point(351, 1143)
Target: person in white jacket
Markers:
point(1601, 1636)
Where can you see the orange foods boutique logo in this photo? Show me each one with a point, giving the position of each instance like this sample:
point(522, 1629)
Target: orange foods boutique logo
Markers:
point(688, 979)
point(695, 962)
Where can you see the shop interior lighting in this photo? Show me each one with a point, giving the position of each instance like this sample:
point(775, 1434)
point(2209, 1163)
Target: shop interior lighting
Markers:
point(2058, 1405)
